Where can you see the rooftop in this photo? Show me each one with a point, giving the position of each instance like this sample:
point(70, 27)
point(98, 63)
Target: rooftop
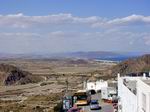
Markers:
point(130, 84)
point(131, 79)
point(139, 74)
point(147, 81)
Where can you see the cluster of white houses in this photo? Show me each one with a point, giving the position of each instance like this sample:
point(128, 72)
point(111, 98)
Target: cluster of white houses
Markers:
point(97, 86)
point(134, 93)
point(107, 93)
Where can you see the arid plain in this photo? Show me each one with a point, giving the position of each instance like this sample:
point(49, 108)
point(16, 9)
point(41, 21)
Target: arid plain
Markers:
point(56, 76)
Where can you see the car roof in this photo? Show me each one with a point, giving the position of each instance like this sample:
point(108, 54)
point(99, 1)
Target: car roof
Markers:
point(94, 100)
point(81, 91)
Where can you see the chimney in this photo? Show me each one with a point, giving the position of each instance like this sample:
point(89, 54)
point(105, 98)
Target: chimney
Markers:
point(144, 75)
point(118, 75)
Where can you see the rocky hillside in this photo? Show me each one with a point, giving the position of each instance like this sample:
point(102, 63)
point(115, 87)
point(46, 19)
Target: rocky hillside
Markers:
point(135, 65)
point(11, 75)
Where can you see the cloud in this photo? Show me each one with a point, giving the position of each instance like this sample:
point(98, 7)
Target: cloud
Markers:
point(130, 20)
point(60, 41)
point(22, 21)
point(18, 34)
point(64, 32)
point(147, 40)
point(19, 42)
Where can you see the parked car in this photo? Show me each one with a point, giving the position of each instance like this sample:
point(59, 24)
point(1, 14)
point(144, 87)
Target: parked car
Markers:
point(75, 109)
point(94, 105)
point(115, 105)
point(93, 92)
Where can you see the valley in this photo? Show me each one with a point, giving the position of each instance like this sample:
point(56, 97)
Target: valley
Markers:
point(56, 75)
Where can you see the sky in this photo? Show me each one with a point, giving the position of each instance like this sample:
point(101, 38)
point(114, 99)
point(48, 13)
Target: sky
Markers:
point(52, 26)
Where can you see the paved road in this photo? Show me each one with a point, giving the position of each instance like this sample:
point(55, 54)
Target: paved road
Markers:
point(105, 107)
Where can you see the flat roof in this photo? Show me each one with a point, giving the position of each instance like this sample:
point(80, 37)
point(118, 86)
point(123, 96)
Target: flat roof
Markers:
point(147, 81)
point(130, 81)
point(130, 84)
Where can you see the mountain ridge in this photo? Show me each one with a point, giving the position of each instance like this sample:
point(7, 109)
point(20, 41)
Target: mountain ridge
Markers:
point(133, 65)
point(11, 75)
point(99, 55)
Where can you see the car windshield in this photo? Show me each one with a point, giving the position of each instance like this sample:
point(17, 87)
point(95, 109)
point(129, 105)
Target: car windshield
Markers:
point(94, 102)
point(82, 97)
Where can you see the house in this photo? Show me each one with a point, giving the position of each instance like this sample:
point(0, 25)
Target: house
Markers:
point(97, 86)
point(134, 93)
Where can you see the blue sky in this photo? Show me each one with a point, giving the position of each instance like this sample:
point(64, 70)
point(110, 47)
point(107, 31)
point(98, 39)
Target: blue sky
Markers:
point(48, 26)
point(103, 8)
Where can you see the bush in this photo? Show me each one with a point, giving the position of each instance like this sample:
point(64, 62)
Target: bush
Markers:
point(58, 107)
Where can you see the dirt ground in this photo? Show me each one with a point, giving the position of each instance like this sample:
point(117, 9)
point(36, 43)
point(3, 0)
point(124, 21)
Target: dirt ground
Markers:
point(58, 75)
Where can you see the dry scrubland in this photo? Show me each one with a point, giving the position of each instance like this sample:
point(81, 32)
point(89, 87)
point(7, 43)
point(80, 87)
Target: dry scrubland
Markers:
point(54, 74)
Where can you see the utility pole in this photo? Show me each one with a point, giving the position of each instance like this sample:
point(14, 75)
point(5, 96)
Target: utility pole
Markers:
point(67, 85)
point(82, 82)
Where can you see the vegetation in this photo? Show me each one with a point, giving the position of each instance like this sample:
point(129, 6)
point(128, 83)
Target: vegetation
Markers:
point(58, 107)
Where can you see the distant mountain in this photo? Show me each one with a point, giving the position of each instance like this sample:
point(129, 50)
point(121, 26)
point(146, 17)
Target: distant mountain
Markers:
point(11, 75)
point(99, 55)
point(133, 65)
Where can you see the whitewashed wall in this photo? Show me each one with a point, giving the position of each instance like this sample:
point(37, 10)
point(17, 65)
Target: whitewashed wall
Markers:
point(96, 85)
point(128, 100)
point(143, 88)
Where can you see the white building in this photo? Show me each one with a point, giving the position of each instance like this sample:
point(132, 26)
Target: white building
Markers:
point(108, 93)
point(134, 94)
point(96, 85)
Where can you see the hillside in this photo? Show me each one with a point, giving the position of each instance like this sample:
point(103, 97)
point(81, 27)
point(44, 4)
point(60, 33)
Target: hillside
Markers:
point(102, 55)
point(135, 65)
point(11, 75)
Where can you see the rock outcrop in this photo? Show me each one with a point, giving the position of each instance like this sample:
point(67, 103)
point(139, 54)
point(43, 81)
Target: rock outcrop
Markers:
point(135, 65)
point(11, 75)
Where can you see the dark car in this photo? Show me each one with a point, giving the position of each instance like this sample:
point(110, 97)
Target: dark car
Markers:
point(74, 109)
point(115, 105)
point(94, 105)
point(92, 92)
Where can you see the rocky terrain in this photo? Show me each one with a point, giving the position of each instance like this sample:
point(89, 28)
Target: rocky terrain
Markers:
point(37, 85)
point(133, 65)
point(22, 89)
point(11, 75)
